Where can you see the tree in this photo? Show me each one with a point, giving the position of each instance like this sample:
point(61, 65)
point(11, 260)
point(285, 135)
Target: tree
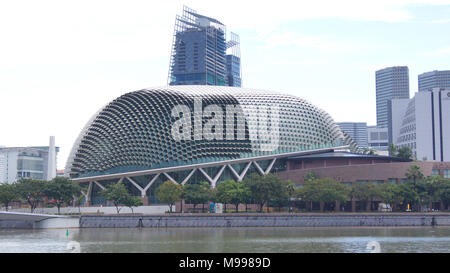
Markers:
point(444, 192)
point(368, 151)
point(78, 198)
point(405, 152)
point(323, 190)
point(409, 194)
point(263, 188)
point(414, 173)
point(247, 197)
point(393, 150)
point(366, 193)
point(197, 193)
point(285, 191)
point(390, 194)
point(31, 190)
point(224, 192)
point(116, 193)
point(433, 185)
point(311, 175)
point(61, 190)
point(169, 192)
point(132, 201)
point(8, 193)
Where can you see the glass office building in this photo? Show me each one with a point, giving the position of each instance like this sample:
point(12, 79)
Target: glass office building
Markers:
point(24, 162)
point(434, 79)
point(357, 131)
point(391, 83)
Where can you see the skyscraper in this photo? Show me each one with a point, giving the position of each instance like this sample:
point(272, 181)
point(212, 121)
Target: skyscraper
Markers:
point(356, 130)
point(391, 83)
point(424, 125)
point(434, 79)
point(199, 52)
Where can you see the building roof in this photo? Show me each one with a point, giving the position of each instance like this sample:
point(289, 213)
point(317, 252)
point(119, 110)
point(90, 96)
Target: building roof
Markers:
point(341, 154)
point(136, 131)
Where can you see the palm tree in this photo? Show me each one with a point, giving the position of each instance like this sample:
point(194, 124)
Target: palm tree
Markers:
point(414, 173)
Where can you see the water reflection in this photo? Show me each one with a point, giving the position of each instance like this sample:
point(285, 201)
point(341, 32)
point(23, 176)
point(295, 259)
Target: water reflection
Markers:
point(228, 240)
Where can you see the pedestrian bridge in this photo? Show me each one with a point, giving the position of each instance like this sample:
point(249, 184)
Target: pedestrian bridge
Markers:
point(35, 220)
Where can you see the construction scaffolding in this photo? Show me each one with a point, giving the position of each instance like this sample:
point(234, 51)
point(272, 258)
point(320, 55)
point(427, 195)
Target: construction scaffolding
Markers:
point(199, 47)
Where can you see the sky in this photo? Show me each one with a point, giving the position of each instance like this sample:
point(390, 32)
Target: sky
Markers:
point(61, 61)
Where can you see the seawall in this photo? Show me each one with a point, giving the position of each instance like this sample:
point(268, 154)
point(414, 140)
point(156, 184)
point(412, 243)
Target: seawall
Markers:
point(266, 220)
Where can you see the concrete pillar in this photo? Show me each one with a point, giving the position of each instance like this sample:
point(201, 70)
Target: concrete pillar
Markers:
point(88, 195)
point(337, 206)
point(51, 168)
point(144, 199)
point(353, 206)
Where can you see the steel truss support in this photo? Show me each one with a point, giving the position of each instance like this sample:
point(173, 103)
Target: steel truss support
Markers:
point(269, 168)
point(213, 181)
point(240, 177)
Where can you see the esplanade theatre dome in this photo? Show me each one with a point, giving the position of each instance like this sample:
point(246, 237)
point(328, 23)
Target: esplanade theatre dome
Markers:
point(184, 125)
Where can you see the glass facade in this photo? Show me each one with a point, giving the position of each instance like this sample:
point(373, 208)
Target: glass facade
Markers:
point(356, 130)
point(391, 83)
point(434, 79)
point(446, 173)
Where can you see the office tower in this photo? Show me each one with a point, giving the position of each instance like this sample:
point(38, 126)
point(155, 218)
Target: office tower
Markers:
point(424, 125)
point(391, 83)
point(356, 130)
point(234, 73)
point(199, 52)
point(434, 79)
point(377, 138)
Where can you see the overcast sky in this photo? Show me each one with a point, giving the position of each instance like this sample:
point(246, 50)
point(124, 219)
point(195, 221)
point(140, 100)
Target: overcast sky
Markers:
point(60, 61)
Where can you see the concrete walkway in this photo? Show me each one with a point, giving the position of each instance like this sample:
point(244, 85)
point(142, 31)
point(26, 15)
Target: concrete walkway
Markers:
point(35, 220)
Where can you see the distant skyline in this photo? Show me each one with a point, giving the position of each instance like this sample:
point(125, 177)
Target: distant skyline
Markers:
point(61, 61)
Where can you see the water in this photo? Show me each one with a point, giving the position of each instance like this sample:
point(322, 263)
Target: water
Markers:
point(226, 240)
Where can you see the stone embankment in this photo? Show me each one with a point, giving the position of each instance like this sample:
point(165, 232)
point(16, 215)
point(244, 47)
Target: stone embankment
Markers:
point(266, 220)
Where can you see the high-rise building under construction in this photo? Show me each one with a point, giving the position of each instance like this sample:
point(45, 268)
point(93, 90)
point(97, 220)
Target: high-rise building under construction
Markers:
point(199, 52)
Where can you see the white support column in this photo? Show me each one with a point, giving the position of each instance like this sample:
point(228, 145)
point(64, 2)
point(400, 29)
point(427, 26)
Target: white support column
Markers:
point(144, 190)
point(151, 182)
point(260, 170)
point(100, 185)
point(243, 173)
point(189, 176)
point(88, 195)
point(120, 180)
point(269, 168)
point(85, 196)
point(170, 178)
point(213, 180)
point(137, 186)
